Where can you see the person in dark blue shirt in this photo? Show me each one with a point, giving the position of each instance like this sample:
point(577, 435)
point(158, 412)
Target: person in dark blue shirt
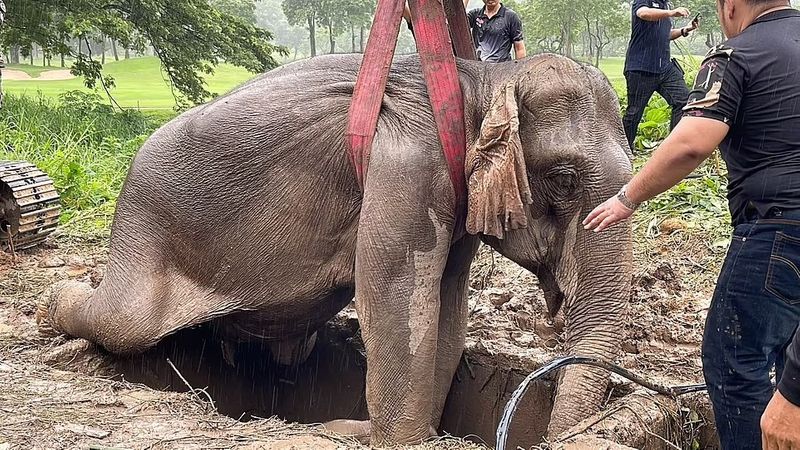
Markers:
point(648, 65)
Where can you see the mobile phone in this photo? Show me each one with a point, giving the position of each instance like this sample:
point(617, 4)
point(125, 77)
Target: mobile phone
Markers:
point(696, 18)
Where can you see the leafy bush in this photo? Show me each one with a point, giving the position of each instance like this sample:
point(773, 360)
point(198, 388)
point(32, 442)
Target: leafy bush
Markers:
point(81, 143)
point(655, 123)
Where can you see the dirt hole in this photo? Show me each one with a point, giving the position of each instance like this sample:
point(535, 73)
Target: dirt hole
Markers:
point(330, 385)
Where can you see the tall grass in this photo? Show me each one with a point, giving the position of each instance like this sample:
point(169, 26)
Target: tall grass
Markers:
point(81, 143)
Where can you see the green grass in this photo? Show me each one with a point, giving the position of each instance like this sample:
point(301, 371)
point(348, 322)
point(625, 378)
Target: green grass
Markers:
point(140, 83)
point(83, 145)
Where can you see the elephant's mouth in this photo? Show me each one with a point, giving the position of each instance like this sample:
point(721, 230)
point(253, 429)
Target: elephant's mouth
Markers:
point(330, 385)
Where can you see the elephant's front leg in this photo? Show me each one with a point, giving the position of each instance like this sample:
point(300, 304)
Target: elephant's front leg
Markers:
point(401, 253)
point(453, 318)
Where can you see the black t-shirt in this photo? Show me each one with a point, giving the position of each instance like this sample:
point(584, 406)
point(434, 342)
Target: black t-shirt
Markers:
point(648, 50)
point(752, 82)
point(493, 37)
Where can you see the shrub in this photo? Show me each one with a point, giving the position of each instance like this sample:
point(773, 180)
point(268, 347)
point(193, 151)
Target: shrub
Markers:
point(81, 143)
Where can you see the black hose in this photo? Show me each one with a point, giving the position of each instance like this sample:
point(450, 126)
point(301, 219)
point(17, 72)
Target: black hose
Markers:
point(513, 403)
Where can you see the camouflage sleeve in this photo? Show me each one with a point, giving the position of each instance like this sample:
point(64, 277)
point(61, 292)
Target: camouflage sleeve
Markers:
point(719, 86)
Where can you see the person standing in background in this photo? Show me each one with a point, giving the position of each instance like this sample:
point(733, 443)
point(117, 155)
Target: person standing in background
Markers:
point(648, 65)
point(495, 31)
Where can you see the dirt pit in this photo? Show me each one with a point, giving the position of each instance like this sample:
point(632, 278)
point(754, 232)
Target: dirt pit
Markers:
point(508, 338)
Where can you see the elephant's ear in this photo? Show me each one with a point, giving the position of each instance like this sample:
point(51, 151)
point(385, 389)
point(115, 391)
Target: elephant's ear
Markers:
point(498, 180)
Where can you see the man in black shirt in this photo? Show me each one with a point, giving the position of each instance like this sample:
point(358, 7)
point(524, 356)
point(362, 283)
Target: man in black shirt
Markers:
point(648, 65)
point(746, 100)
point(495, 30)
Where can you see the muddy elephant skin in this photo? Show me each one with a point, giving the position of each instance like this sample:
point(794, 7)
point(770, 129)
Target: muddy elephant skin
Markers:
point(246, 212)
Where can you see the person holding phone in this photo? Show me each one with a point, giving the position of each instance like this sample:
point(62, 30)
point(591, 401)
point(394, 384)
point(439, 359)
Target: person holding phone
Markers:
point(648, 65)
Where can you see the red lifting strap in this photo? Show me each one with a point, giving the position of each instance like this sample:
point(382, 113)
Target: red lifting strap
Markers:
point(441, 76)
point(371, 83)
point(444, 89)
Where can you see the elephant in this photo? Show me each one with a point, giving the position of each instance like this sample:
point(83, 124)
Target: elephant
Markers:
point(246, 212)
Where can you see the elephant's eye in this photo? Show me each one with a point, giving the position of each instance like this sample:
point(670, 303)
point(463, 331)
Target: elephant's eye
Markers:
point(563, 179)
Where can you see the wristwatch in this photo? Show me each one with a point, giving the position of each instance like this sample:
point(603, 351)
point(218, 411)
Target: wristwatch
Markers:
point(684, 32)
point(623, 198)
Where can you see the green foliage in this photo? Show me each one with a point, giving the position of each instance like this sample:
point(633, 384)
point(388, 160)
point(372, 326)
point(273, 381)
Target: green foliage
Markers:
point(336, 16)
point(699, 200)
point(190, 37)
point(81, 143)
point(654, 127)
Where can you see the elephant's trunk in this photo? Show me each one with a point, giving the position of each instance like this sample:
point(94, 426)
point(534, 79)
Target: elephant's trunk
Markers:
point(597, 287)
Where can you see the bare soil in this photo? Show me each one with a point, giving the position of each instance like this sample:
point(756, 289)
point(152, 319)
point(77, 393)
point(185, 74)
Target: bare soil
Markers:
point(49, 75)
point(43, 407)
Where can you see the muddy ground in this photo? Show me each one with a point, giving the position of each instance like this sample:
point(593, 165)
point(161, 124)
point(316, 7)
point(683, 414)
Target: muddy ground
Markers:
point(44, 407)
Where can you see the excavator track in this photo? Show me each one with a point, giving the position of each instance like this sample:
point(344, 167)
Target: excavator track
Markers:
point(29, 205)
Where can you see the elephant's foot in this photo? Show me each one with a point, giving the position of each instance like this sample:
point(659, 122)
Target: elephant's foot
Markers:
point(293, 352)
point(58, 303)
point(358, 429)
point(80, 355)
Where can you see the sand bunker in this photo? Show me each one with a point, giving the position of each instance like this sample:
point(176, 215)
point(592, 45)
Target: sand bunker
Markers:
point(50, 75)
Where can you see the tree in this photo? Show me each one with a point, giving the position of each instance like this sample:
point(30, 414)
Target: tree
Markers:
point(605, 20)
point(304, 13)
point(335, 16)
point(709, 24)
point(190, 37)
point(269, 15)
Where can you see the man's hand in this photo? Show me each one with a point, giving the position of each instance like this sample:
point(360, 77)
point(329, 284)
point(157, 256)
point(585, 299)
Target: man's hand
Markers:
point(780, 425)
point(695, 25)
point(680, 12)
point(610, 213)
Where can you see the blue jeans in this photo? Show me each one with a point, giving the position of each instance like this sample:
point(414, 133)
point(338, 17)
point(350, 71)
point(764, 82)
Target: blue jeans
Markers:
point(754, 314)
point(641, 86)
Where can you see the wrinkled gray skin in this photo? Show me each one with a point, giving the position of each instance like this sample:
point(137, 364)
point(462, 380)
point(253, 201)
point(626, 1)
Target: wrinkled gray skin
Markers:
point(247, 211)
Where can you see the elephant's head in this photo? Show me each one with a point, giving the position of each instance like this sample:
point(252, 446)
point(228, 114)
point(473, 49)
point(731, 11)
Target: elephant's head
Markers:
point(550, 148)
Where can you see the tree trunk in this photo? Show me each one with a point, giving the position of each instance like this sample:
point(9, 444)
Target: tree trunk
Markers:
point(312, 38)
point(63, 63)
point(14, 54)
point(353, 37)
point(127, 53)
point(114, 50)
point(294, 58)
point(103, 49)
point(333, 41)
point(361, 42)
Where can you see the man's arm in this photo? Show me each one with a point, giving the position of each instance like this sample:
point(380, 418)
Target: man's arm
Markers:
point(712, 105)
point(779, 424)
point(519, 50)
point(516, 36)
point(655, 14)
point(692, 141)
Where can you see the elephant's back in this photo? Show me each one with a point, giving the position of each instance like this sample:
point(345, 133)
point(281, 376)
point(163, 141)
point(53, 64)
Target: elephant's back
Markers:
point(255, 185)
